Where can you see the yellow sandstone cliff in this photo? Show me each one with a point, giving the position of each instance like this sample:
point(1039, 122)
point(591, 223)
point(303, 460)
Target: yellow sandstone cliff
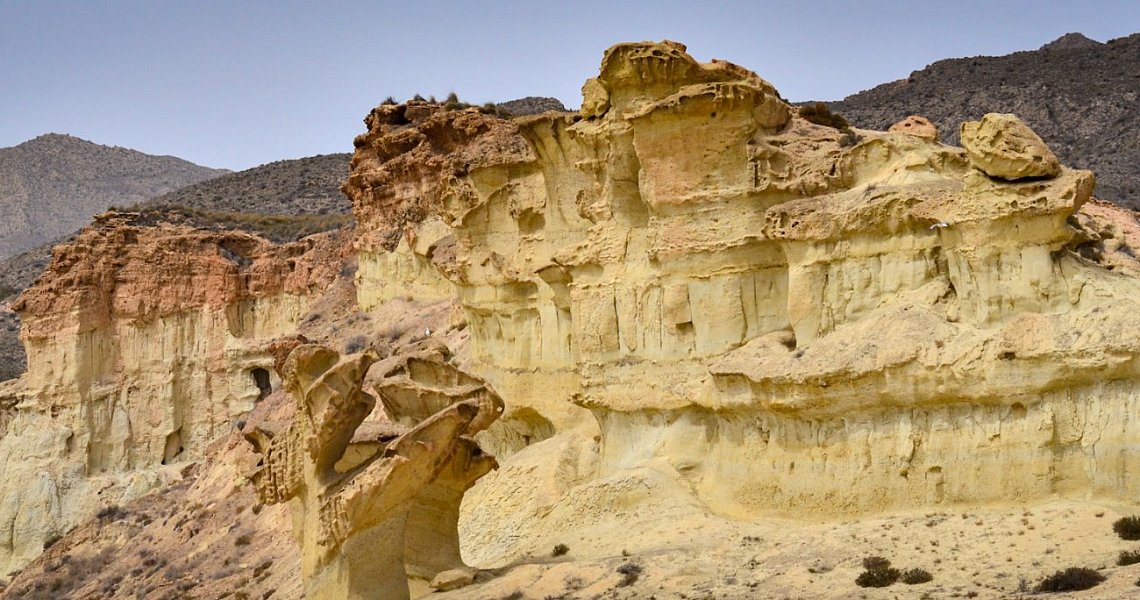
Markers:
point(786, 317)
point(144, 345)
point(693, 301)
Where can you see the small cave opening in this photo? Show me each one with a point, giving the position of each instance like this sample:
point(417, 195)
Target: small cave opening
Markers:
point(1018, 410)
point(261, 380)
point(173, 446)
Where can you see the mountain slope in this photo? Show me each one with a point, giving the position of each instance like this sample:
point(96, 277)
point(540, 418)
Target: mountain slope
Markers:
point(1081, 96)
point(303, 186)
point(52, 185)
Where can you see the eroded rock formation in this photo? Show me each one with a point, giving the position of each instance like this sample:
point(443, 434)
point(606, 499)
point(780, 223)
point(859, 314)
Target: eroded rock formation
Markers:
point(372, 507)
point(690, 299)
point(144, 345)
point(916, 125)
point(791, 319)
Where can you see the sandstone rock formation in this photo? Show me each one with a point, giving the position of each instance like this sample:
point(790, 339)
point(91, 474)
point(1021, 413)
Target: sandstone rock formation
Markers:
point(361, 513)
point(692, 302)
point(1079, 95)
point(916, 125)
point(144, 345)
point(1002, 146)
point(787, 323)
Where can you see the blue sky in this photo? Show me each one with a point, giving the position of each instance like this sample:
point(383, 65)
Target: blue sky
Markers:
point(235, 84)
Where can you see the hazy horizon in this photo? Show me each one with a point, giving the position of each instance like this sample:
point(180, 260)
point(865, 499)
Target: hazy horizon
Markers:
point(234, 85)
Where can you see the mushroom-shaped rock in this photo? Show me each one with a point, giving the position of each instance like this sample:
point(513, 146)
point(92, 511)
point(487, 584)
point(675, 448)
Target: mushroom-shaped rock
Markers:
point(917, 126)
point(356, 517)
point(1001, 145)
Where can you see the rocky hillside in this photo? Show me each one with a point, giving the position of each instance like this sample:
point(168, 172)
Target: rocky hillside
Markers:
point(303, 186)
point(11, 352)
point(532, 105)
point(52, 185)
point(1080, 95)
point(282, 201)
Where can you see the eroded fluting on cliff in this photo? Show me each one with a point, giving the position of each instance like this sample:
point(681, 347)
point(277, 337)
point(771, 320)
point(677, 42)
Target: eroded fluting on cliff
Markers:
point(692, 301)
point(785, 316)
point(145, 344)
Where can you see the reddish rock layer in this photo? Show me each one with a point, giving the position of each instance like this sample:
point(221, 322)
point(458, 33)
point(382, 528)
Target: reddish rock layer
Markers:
point(414, 156)
point(117, 268)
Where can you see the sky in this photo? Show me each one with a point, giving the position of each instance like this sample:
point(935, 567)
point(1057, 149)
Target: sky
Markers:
point(234, 84)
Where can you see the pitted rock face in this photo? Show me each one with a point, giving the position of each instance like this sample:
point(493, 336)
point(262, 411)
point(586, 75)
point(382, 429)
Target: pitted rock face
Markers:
point(416, 154)
point(916, 125)
point(1001, 145)
point(686, 277)
point(118, 269)
point(369, 517)
point(146, 343)
point(689, 245)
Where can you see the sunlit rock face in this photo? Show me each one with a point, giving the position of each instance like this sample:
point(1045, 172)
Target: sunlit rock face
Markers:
point(144, 345)
point(371, 508)
point(788, 317)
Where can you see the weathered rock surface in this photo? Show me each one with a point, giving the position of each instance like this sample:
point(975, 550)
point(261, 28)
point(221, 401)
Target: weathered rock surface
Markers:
point(692, 303)
point(788, 323)
point(916, 125)
point(1078, 94)
point(360, 516)
point(144, 344)
point(1002, 146)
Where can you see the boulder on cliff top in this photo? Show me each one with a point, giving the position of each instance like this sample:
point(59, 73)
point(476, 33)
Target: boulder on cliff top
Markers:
point(1001, 145)
point(916, 125)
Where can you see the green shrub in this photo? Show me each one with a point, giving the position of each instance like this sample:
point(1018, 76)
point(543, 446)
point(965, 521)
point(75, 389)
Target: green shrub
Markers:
point(490, 108)
point(111, 513)
point(1071, 580)
point(560, 549)
point(849, 138)
point(878, 573)
point(1128, 528)
point(916, 576)
point(355, 344)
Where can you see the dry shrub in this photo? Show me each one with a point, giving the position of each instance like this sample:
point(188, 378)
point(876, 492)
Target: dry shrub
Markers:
point(1071, 580)
point(1128, 528)
point(820, 114)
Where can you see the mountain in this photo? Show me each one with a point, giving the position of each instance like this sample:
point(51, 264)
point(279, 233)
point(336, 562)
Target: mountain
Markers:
point(304, 186)
point(52, 185)
point(1081, 96)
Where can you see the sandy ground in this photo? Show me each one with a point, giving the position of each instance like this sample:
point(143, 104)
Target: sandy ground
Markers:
point(665, 551)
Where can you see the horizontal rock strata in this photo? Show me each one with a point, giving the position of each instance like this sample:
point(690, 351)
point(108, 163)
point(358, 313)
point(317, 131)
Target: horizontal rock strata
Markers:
point(144, 345)
point(793, 317)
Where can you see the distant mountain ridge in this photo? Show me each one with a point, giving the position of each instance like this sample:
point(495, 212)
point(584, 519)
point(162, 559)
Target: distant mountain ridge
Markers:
point(51, 185)
point(1080, 95)
point(302, 186)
